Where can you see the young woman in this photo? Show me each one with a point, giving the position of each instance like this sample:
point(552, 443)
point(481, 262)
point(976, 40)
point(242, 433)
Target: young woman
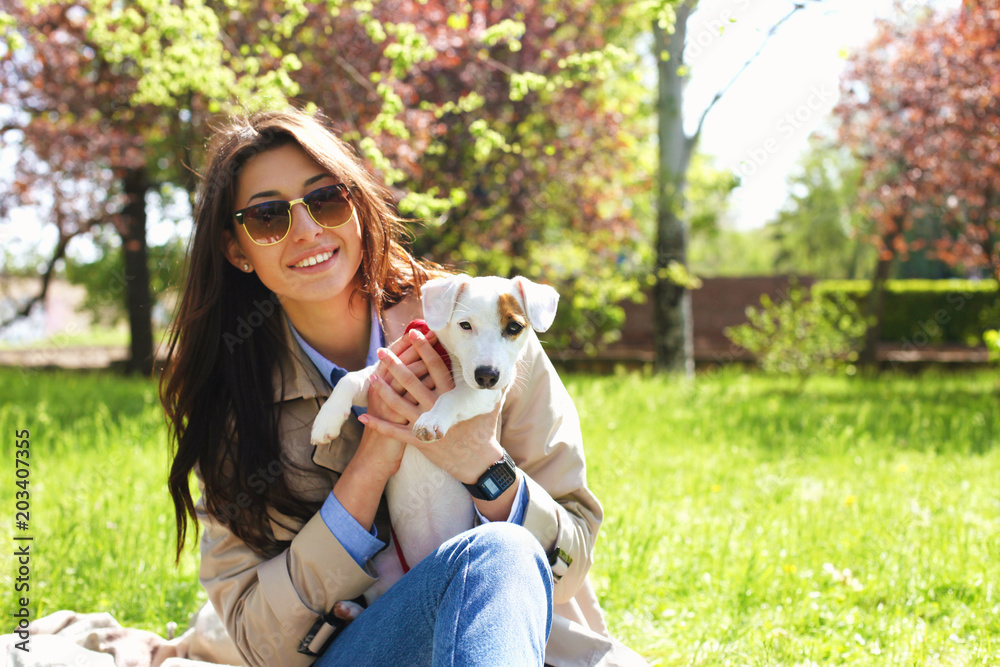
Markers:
point(296, 275)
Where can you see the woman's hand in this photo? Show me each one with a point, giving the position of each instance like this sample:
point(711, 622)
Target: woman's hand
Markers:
point(360, 487)
point(469, 447)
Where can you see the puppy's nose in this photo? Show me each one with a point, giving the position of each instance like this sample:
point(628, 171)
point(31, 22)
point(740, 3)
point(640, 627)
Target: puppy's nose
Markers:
point(487, 376)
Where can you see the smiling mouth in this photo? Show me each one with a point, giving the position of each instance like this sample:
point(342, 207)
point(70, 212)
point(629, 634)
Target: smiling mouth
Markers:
point(314, 260)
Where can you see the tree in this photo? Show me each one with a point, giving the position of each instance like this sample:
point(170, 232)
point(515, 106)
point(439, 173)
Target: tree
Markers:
point(818, 231)
point(90, 122)
point(672, 302)
point(507, 129)
point(921, 107)
point(489, 121)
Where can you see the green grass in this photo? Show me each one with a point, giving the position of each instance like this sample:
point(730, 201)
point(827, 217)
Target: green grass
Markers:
point(734, 509)
point(101, 516)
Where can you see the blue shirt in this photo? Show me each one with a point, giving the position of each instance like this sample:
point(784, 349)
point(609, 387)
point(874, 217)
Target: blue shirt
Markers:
point(363, 544)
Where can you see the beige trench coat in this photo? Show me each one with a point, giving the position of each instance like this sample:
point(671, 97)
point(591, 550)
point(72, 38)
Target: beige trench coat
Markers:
point(269, 604)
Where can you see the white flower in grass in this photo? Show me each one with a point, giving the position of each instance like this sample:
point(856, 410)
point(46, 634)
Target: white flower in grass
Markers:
point(844, 576)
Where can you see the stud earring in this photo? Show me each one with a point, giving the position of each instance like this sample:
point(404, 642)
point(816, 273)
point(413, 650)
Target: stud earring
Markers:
point(246, 267)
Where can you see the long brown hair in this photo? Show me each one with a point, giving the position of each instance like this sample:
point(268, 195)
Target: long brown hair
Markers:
point(223, 351)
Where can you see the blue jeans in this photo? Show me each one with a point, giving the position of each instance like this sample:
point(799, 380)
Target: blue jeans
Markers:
point(483, 598)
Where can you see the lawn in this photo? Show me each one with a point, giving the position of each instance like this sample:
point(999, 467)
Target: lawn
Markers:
point(855, 522)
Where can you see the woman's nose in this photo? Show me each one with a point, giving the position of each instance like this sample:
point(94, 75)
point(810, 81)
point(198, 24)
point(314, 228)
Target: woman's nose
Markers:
point(303, 225)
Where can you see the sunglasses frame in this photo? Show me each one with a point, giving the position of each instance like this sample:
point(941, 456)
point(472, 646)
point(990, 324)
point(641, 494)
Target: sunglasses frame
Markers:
point(239, 215)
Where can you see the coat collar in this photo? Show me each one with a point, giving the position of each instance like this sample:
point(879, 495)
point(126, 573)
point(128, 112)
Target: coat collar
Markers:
point(297, 377)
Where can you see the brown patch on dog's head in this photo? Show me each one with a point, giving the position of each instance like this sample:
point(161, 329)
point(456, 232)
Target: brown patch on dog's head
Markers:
point(513, 321)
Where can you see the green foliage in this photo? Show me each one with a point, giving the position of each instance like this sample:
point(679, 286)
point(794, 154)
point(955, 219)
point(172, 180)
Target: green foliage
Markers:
point(177, 53)
point(992, 340)
point(800, 336)
point(678, 274)
point(9, 38)
point(922, 312)
point(713, 249)
point(707, 197)
point(732, 252)
point(588, 315)
point(819, 232)
point(504, 138)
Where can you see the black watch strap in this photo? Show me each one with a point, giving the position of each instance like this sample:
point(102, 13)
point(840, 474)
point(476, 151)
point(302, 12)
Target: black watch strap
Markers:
point(497, 479)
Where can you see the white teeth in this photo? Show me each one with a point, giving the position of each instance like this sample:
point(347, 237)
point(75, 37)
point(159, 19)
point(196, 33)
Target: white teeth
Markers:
point(314, 260)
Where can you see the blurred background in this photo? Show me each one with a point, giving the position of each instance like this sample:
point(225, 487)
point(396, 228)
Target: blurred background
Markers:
point(664, 165)
point(774, 226)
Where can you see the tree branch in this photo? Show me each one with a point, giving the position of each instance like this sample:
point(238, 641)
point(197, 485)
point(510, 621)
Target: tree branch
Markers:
point(57, 254)
point(25, 309)
point(355, 74)
point(693, 139)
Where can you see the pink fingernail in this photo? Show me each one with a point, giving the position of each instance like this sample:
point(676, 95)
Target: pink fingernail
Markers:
point(363, 419)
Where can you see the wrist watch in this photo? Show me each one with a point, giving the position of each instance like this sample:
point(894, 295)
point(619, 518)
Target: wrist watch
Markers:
point(497, 479)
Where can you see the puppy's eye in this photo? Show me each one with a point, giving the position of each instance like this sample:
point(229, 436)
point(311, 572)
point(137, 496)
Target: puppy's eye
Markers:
point(513, 329)
point(465, 325)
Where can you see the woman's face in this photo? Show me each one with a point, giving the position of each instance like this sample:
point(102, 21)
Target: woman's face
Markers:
point(286, 268)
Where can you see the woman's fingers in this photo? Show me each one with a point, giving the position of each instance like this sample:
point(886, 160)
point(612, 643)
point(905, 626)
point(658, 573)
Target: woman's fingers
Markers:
point(397, 432)
point(436, 367)
point(385, 403)
point(417, 368)
point(410, 356)
point(408, 382)
point(403, 347)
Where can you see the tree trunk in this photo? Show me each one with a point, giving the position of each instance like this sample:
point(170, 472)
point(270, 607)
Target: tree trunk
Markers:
point(874, 310)
point(674, 338)
point(137, 293)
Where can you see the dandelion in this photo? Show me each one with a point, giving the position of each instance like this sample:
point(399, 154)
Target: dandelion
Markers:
point(850, 500)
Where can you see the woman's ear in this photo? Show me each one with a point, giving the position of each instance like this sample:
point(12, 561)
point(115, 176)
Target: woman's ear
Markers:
point(234, 253)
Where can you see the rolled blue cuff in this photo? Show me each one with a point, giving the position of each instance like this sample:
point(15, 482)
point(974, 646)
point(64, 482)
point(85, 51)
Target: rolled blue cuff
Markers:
point(517, 509)
point(361, 544)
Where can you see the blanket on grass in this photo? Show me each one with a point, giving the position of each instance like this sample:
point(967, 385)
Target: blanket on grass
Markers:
point(68, 638)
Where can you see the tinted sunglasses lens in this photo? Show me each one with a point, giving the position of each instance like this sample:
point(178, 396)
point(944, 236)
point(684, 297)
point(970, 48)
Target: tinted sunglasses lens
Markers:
point(267, 223)
point(329, 206)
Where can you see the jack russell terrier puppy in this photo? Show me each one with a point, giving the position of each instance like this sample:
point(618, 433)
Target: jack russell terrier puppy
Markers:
point(483, 323)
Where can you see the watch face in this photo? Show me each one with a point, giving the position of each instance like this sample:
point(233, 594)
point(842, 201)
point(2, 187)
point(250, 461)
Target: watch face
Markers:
point(497, 479)
point(490, 487)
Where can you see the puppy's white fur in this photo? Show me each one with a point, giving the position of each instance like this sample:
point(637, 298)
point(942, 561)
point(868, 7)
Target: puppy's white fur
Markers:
point(484, 324)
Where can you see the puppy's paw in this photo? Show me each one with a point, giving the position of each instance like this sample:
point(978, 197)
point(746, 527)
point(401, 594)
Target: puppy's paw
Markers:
point(346, 610)
point(327, 425)
point(429, 429)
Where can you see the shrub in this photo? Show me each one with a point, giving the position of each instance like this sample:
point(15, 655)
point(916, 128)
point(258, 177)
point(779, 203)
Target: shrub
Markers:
point(992, 340)
point(923, 312)
point(800, 336)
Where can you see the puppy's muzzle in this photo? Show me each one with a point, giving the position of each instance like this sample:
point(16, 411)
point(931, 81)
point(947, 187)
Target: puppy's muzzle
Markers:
point(487, 376)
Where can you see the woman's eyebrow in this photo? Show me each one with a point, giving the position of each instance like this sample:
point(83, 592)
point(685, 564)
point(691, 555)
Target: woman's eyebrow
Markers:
point(275, 193)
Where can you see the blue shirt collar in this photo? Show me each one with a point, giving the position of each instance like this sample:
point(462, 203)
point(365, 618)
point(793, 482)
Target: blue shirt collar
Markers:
point(327, 368)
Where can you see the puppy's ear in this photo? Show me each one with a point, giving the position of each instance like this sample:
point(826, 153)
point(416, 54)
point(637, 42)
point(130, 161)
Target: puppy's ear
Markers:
point(438, 297)
point(539, 302)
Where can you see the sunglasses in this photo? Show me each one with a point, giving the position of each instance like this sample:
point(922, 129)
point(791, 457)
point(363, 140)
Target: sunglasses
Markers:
point(268, 223)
